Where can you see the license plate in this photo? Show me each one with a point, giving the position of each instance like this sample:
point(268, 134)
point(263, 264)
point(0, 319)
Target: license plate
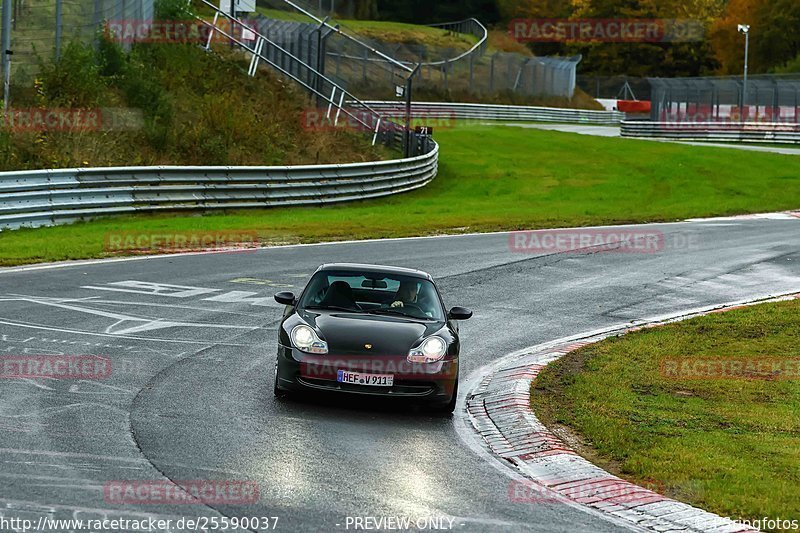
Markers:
point(372, 380)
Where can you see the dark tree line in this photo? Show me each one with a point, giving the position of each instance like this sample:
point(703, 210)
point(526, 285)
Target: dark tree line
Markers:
point(429, 11)
point(775, 30)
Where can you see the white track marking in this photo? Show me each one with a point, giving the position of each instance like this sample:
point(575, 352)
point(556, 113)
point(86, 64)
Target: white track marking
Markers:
point(153, 289)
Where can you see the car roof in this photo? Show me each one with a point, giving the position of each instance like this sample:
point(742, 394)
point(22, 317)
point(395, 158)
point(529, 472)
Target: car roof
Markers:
point(375, 269)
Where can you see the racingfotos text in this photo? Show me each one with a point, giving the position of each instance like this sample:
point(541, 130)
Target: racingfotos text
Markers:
point(765, 523)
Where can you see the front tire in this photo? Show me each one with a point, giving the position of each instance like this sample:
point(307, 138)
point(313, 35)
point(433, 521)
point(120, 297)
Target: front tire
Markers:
point(278, 392)
point(449, 407)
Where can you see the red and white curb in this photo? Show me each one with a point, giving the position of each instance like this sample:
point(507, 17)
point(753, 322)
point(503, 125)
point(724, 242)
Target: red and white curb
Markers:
point(499, 410)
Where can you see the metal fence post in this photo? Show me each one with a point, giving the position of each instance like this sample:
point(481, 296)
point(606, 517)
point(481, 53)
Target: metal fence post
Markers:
point(96, 14)
point(6, 37)
point(471, 72)
point(322, 56)
point(491, 73)
point(409, 89)
point(58, 28)
point(364, 66)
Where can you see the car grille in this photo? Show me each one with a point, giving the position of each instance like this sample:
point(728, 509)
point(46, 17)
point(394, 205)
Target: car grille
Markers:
point(398, 389)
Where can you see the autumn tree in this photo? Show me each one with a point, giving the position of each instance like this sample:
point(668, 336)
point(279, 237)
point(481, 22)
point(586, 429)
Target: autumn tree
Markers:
point(774, 37)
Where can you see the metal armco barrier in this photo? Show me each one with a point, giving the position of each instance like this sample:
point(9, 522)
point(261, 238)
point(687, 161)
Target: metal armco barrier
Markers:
point(47, 197)
point(447, 110)
point(713, 131)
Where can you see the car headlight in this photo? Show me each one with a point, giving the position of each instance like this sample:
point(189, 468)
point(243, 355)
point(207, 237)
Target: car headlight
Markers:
point(431, 350)
point(305, 339)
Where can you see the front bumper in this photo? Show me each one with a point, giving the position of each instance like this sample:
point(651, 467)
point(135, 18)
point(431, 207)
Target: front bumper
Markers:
point(428, 382)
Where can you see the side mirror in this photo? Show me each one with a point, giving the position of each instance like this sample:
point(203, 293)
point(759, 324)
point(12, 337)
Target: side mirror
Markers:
point(460, 313)
point(285, 298)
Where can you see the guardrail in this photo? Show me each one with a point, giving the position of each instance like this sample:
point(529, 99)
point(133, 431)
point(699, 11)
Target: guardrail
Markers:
point(500, 112)
point(48, 197)
point(755, 132)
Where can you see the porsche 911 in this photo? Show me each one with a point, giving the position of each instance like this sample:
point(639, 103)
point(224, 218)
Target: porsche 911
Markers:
point(373, 331)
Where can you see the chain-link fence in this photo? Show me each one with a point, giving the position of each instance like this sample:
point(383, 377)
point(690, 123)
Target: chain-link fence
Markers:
point(470, 68)
point(767, 98)
point(500, 72)
point(615, 87)
point(39, 29)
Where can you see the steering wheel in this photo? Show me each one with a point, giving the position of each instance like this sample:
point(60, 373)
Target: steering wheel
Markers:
point(413, 306)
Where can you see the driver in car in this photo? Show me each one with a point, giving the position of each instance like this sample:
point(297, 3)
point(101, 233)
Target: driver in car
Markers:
point(406, 294)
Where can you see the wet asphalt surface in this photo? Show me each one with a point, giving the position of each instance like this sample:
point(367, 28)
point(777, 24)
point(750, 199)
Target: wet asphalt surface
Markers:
point(191, 341)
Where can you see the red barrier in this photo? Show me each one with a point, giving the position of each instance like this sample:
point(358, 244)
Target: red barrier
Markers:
point(634, 106)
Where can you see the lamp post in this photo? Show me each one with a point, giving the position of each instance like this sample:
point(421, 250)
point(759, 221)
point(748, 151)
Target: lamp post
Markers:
point(745, 28)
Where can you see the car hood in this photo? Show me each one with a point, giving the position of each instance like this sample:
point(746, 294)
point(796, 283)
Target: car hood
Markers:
point(348, 334)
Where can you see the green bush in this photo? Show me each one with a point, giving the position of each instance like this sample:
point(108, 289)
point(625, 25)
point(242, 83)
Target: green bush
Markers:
point(74, 80)
point(172, 10)
point(196, 108)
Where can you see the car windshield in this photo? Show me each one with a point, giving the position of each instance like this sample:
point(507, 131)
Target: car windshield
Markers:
point(373, 293)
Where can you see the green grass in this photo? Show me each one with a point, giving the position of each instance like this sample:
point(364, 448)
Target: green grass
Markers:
point(731, 446)
point(493, 178)
point(386, 31)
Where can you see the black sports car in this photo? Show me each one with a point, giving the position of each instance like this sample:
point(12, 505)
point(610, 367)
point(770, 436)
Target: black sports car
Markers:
point(371, 330)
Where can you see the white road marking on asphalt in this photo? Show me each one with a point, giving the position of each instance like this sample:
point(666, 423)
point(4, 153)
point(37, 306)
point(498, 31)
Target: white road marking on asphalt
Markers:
point(182, 291)
point(75, 388)
point(244, 297)
point(181, 307)
point(206, 344)
point(50, 453)
point(148, 324)
point(49, 411)
point(20, 505)
point(36, 383)
point(257, 281)
point(164, 324)
point(153, 289)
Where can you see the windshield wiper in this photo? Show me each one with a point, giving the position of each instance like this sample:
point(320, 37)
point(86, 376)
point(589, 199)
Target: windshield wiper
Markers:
point(397, 311)
point(332, 308)
point(389, 311)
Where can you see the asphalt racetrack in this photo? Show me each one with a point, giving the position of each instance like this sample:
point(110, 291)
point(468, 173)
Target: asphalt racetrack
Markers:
point(192, 340)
